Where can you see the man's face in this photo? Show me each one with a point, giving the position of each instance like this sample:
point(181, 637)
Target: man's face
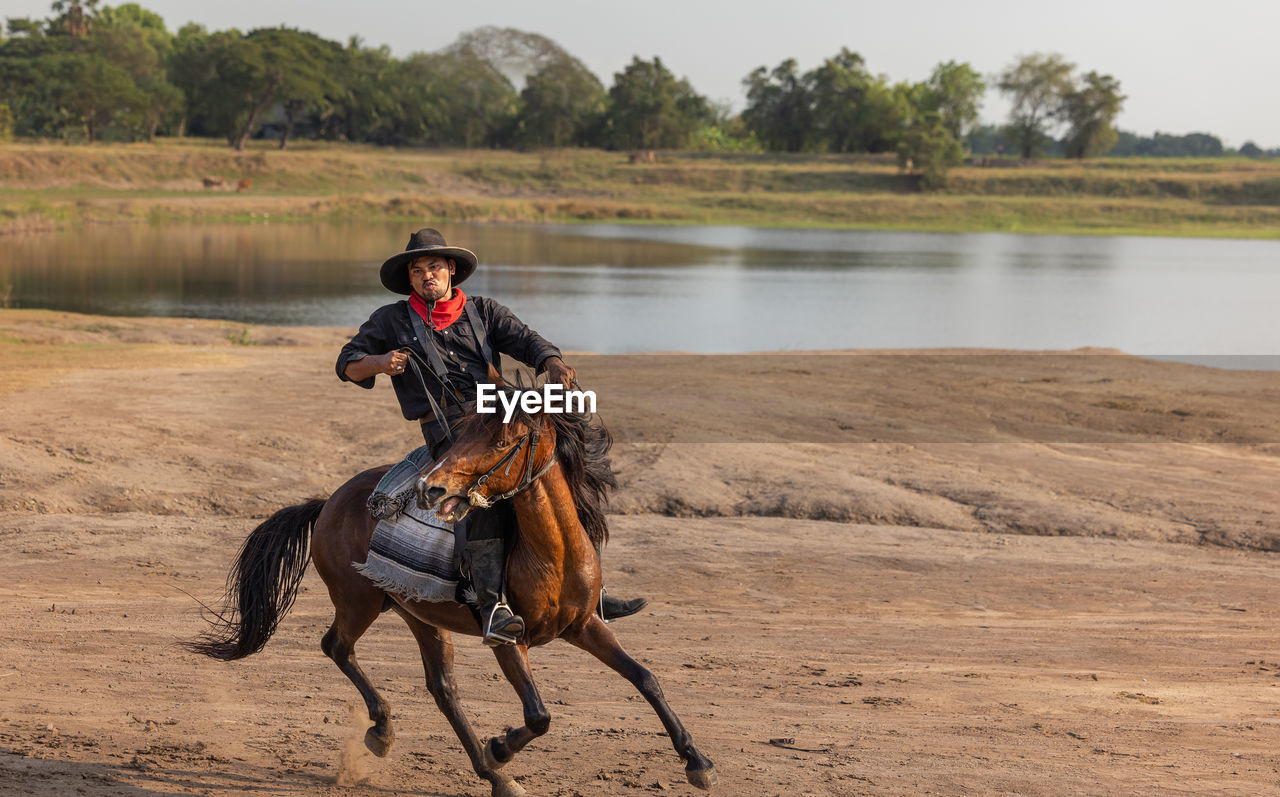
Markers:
point(431, 278)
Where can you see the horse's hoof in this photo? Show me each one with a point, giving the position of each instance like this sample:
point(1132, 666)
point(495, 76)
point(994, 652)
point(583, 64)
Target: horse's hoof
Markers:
point(702, 778)
point(508, 788)
point(377, 743)
point(490, 760)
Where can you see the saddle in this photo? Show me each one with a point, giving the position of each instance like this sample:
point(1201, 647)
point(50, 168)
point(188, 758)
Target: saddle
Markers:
point(396, 488)
point(412, 551)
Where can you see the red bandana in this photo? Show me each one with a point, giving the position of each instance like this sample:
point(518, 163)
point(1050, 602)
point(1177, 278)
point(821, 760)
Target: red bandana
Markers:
point(444, 312)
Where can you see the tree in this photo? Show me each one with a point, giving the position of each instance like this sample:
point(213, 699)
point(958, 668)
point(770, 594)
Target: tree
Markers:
point(24, 86)
point(561, 99)
point(1164, 145)
point(136, 40)
point(240, 85)
point(650, 109)
point(779, 107)
point(1251, 150)
point(451, 100)
point(1089, 111)
point(727, 133)
point(515, 54)
point(987, 140)
point(929, 150)
point(1192, 145)
point(853, 110)
point(419, 99)
point(91, 91)
point(559, 105)
point(837, 107)
point(135, 15)
point(75, 17)
point(839, 88)
point(190, 69)
point(1036, 84)
point(364, 107)
point(246, 75)
point(954, 92)
point(311, 83)
point(71, 81)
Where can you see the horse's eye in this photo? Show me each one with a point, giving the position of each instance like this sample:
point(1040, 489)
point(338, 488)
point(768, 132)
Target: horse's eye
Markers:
point(503, 444)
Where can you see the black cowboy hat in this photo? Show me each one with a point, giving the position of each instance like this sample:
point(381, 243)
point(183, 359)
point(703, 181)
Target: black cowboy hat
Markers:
point(425, 243)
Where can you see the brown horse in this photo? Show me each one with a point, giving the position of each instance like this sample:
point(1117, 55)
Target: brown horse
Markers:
point(556, 469)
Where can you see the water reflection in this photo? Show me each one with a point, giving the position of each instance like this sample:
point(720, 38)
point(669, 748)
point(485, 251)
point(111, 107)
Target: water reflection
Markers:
point(614, 288)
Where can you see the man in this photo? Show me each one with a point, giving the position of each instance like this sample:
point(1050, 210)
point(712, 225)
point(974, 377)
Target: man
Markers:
point(455, 338)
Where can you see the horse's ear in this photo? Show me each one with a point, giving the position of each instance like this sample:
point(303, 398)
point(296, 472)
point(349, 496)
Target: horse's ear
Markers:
point(495, 377)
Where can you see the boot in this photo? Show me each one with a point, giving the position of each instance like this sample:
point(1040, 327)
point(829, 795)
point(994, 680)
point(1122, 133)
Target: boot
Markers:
point(487, 561)
point(612, 608)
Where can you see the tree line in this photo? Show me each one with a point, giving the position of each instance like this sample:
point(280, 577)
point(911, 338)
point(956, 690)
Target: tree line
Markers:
point(89, 73)
point(993, 140)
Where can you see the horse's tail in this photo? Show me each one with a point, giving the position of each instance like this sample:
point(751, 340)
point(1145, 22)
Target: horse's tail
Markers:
point(262, 585)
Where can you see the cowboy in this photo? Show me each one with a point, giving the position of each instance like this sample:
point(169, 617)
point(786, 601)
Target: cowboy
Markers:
point(453, 339)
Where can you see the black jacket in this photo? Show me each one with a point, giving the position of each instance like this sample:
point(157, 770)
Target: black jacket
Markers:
point(390, 328)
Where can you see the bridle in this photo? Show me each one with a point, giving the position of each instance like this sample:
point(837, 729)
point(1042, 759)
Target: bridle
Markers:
point(530, 477)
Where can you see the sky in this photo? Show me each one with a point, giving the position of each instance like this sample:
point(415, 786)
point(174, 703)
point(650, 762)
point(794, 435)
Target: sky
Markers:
point(1185, 65)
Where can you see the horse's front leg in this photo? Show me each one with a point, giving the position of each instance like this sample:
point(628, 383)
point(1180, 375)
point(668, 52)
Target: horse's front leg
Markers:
point(596, 638)
point(436, 646)
point(514, 660)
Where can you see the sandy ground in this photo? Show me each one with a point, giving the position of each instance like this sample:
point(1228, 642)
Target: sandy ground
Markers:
point(973, 573)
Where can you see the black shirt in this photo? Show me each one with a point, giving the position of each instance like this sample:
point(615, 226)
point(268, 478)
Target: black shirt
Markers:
point(390, 327)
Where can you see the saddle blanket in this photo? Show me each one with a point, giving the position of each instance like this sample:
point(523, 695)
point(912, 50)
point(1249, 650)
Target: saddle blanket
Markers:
point(412, 550)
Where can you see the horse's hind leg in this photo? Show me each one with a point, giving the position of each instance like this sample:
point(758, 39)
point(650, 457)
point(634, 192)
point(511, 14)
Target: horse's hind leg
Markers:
point(352, 618)
point(596, 638)
point(436, 646)
point(514, 660)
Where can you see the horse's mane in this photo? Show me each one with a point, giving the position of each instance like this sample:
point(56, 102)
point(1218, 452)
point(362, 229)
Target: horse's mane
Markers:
point(582, 447)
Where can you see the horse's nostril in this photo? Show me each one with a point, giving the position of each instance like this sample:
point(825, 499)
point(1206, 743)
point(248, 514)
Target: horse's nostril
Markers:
point(433, 495)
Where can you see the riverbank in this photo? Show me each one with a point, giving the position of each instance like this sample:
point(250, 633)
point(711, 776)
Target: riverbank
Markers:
point(1087, 443)
point(45, 186)
point(1083, 597)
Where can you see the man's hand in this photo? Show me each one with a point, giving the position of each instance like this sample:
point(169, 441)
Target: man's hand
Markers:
point(397, 361)
point(557, 371)
point(392, 363)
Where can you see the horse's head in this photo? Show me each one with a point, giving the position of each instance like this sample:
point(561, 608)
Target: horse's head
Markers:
point(489, 461)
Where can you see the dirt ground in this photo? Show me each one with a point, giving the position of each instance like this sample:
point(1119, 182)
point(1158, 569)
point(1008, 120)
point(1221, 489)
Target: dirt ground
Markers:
point(973, 573)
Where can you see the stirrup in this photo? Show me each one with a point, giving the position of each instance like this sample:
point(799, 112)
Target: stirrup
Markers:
point(494, 638)
point(620, 608)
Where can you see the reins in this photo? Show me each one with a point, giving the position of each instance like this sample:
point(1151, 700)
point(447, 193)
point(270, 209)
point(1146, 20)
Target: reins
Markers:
point(436, 365)
point(416, 361)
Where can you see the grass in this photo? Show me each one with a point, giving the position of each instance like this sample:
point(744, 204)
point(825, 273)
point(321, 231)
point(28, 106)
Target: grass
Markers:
point(240, 337)
point(48, 186)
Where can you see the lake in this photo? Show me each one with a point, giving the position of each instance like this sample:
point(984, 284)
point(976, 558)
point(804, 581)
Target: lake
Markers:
point(621, 288)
